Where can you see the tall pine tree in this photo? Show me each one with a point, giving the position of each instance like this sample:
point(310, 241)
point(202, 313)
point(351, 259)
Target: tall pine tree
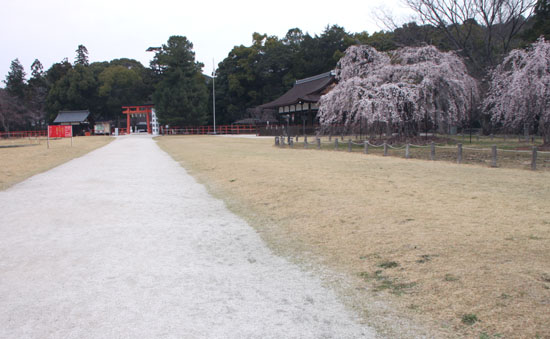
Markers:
point(37, 90)
point(181, 96)
point(542, 19)
point(81, 56)
point(12, 98)
point(15, 80)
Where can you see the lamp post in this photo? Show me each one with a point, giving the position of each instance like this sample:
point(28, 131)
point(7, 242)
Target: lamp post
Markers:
point(153, 49)
point(214, 94)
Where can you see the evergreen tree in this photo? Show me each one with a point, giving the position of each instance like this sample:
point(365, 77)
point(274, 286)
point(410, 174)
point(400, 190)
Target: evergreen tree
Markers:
point(119, 86)
point(251, 76)
point(37, 90)
point(81, 56)
point(13, 113)
point(181, 96)
point(15, 80)
point(541, 19)
point(37, 70)
point(57, 71)
point(76, 90)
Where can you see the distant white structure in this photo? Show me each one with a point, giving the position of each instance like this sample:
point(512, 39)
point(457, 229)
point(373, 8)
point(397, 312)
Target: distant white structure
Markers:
point(154, 122)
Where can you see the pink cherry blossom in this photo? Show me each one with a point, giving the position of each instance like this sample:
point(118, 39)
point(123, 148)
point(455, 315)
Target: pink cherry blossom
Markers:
point(520, 89)
point(401, 88)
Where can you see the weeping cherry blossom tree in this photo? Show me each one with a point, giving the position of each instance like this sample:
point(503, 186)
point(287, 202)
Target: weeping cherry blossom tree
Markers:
point(402, 90)
point(520, 90)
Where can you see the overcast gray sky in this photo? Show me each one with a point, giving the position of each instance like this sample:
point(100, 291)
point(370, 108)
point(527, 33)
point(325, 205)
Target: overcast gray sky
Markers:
point(50, 30)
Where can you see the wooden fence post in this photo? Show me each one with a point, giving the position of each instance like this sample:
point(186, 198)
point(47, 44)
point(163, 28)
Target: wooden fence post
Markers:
point(459, 156)
point(366, 147)
point(432, 151)
point(385, 149)
point(318, 143)
point(349, 145)
point(493, 156)
point(407, 151)
point(534, 159)
point(336, 144)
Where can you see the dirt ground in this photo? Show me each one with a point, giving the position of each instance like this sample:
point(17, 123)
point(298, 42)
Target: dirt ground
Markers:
point(461, 249)
point(123, 243)
point(23, 158)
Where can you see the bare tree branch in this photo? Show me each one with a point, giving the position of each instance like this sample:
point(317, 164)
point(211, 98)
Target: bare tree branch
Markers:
point(385, 19)
point(501, 20)
point(11, 111)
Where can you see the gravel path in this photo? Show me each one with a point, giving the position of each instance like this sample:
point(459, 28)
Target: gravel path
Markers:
point(123, 243)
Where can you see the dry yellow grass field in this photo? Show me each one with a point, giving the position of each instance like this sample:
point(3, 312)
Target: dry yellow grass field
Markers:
point(463, 250)
point(23, 158)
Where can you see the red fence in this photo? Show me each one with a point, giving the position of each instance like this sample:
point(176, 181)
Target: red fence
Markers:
point(223, 129)
point(23, 134)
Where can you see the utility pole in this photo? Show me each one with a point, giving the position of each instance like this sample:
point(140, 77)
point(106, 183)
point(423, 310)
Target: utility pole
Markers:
point(214, 93)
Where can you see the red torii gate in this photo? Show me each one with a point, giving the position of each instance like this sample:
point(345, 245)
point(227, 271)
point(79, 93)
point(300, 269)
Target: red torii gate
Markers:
point(143, 109)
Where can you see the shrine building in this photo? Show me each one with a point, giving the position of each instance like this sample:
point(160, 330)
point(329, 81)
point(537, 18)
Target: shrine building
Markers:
point(300, 104)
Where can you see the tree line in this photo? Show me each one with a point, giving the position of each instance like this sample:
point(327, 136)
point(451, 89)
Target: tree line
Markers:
point(482, 33)
point(101, 87)
point(502, 84)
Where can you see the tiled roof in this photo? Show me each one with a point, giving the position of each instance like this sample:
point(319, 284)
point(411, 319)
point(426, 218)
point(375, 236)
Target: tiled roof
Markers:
point(304, 90)
point(71, 116)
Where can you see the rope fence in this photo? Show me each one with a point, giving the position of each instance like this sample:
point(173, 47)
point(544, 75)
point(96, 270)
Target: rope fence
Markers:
point(492, 156)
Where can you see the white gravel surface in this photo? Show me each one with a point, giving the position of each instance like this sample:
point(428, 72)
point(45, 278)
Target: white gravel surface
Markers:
point(123, 243)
